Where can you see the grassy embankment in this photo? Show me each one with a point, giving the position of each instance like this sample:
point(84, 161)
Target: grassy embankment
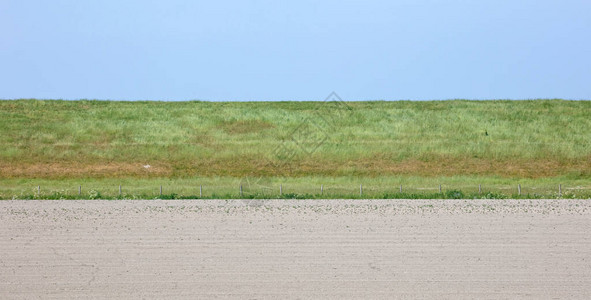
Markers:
point(60, 145)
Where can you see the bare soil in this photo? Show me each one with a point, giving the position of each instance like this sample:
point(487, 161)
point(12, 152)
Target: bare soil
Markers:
point(536, 249)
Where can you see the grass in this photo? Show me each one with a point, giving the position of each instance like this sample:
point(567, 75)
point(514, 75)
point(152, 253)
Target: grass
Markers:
point(293, 188)
point(460, 144)
point(413, 187)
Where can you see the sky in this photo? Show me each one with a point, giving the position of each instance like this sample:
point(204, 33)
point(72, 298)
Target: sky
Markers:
point(295, 50)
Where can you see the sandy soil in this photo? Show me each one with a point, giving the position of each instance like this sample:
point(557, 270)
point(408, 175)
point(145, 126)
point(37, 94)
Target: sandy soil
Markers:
point(296, 249)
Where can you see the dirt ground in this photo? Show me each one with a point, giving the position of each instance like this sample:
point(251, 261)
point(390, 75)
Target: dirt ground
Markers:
point(256, 249)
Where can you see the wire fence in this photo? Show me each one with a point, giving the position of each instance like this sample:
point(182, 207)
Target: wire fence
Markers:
point(283, 191)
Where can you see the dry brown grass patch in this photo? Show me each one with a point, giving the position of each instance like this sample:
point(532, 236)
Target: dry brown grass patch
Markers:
point(78, 170)
point(252, 165)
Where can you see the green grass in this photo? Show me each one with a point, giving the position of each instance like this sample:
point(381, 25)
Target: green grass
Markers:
point(460, 144)
point(299, 187)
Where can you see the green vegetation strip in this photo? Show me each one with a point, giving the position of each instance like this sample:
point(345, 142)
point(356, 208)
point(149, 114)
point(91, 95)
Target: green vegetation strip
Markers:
point(459, 187)
point(298, 146)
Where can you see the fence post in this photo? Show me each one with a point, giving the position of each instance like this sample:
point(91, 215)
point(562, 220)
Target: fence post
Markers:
point(201, 191)
point(79, 190)
point(361, 190)
point(519, 189)
point(39, 191)
point(480, 189)
point(161, 190)
point(440, 188)
point(560, 190)
point(241, 190)
point(281, 190)
point(119, 190)
point(321, 189)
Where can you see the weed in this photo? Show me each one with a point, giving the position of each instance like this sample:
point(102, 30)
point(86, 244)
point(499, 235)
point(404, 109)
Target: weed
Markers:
point(454, 194)
point(494, 195)
point(92, 194)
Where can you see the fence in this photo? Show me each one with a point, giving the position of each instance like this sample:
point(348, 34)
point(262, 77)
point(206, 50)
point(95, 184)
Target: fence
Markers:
point(282, 191)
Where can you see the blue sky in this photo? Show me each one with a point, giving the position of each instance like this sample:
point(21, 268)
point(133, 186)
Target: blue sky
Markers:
point(296, 50)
